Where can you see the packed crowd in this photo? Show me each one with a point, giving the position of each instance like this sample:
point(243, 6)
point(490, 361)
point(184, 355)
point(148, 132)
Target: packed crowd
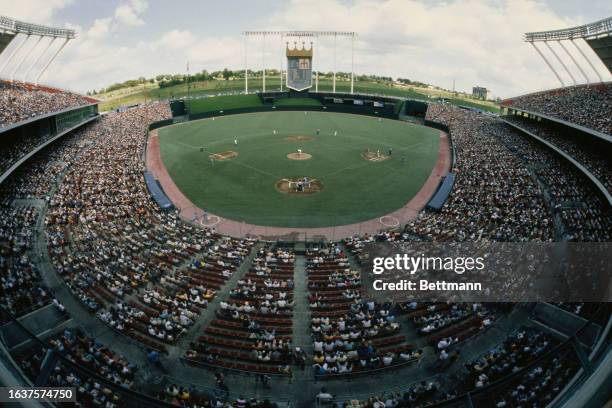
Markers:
point(593, 156)
point(109, 241)
point(87, 354)
point(494, 196)
point(134, 266)
point(585, 105)
point(21, 287)
point(144, 272)
point(14, 147)
point(584, 215)
point(19, 102)
point(509, 188)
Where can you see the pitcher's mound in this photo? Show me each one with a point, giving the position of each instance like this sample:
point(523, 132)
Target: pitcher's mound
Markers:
point(374, 156)
point(227, 155)
point(298, 138)
point(299, 156)
point(297, 185)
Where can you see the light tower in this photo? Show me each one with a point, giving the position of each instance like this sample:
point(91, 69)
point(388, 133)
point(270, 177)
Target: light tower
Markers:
point(314, 47)
point(11, 29)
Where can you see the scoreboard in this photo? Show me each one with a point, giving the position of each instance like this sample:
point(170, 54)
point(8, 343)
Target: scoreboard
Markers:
point(299, 68)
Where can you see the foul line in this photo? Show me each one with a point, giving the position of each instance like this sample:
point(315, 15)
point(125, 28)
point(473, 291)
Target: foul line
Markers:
point(255, 168)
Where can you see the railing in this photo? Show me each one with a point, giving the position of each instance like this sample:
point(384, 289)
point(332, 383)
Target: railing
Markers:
point(570, 348)
point(369, 371)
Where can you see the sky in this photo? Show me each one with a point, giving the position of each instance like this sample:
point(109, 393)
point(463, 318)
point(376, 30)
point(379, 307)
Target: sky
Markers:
point(441, 42)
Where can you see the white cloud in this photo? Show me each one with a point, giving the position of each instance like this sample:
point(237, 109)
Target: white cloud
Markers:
point(129, 13)
point(33, 11)
point(100, 28)
point(471, 41)
point(175, 39)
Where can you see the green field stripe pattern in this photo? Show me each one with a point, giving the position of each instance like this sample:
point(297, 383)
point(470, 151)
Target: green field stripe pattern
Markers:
point(354, 189)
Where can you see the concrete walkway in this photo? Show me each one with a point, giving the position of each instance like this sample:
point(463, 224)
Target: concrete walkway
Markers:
point(301, 318)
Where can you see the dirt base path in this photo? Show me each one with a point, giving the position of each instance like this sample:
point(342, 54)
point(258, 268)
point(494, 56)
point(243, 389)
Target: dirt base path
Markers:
point(190, 212)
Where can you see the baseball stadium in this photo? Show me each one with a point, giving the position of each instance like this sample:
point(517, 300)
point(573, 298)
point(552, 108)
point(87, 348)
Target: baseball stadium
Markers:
point(190, 242)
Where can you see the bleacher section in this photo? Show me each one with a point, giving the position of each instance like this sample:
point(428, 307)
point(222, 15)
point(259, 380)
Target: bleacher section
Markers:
point(351, 335)
point(252, 329)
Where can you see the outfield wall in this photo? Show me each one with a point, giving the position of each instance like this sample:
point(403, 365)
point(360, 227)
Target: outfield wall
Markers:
point(323, 101)
point(326, 108)
point(360, 104)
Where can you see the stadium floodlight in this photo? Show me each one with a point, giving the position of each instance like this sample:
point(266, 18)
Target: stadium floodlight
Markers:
point(13, 28)
point(314, 35)
point(596, 35)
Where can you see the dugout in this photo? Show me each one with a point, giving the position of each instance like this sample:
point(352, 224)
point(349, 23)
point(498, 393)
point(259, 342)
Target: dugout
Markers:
point(441, 195)
point(157, 192)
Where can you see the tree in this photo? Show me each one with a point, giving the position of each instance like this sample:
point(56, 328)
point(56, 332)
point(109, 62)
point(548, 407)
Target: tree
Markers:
point(226, 74)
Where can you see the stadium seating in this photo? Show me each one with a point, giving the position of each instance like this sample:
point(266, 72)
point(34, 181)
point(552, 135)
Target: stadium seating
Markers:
point(350, 335)
point(585, 105)
point(259, 314)
point(150, 277)
point(19, 102)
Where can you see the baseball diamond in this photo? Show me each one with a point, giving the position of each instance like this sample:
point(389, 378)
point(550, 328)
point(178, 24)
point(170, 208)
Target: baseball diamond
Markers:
point(334, 228)
point(243, 189)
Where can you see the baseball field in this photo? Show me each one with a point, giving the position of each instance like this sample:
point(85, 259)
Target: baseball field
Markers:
point(299, 169)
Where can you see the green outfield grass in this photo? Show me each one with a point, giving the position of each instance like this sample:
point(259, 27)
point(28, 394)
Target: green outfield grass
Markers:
point(218, 103)
point(297, 101)
point(243, 188)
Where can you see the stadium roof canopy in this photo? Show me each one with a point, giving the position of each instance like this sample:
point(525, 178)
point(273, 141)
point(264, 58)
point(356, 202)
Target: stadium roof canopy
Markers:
point(592, 30)
point(8, 25)
point(597, 35)
point(34, 52)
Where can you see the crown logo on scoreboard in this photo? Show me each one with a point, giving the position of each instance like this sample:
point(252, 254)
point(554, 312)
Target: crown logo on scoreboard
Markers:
point(299, 67)
point(296, 52)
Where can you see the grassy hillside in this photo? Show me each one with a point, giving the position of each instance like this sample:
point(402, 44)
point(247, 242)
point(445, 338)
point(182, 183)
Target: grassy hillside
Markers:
point(219, 87)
